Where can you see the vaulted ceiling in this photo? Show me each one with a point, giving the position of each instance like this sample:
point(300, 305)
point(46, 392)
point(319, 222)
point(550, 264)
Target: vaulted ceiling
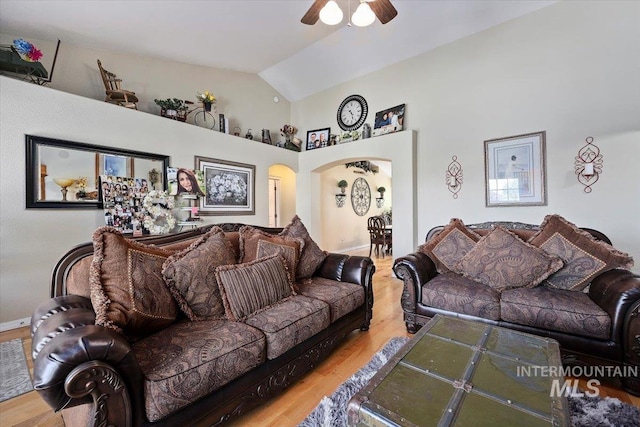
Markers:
point(264, 37)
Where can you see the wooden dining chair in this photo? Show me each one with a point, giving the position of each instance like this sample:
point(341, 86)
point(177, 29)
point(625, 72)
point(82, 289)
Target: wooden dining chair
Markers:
point(378, 235)
point(115, 93)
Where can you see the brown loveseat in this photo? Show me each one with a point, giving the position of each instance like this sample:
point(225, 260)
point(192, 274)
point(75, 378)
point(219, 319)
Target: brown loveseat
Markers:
point(586, 299)
point(105, 358)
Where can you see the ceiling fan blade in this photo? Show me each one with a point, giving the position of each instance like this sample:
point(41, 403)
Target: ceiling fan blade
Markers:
point(313, 14)
point(383, 9)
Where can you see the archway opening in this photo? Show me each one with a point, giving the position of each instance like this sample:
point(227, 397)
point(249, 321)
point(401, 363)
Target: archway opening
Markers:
point(344, 215)
point(282, 195)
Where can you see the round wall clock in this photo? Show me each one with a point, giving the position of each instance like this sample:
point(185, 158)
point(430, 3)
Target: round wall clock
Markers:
point(360, 196)
point(352, 112)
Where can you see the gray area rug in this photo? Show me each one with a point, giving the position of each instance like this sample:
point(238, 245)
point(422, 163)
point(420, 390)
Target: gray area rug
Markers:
point(14, 374)
point(585, 411)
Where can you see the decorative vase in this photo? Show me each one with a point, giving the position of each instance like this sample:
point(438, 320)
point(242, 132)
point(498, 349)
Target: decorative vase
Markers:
point(207, 106)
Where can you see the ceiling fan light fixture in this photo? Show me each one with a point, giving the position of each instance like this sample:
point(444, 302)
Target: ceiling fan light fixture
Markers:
point(363, 15)
point(331, 14)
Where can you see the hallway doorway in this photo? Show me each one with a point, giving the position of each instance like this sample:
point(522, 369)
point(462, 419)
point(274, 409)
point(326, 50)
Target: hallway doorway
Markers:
point(274, 202)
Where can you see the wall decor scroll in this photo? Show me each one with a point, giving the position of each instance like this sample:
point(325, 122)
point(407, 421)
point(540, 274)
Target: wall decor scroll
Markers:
point(360, 196)
point(588, 164)
point(454, 176)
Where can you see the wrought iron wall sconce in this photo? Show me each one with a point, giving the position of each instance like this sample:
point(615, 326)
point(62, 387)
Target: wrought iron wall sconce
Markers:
point(453, 176)
point(341, 196)
point(588, 164)
point(379, 202)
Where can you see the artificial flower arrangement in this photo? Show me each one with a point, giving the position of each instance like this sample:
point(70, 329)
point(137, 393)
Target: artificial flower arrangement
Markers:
point(291, 142)
point(82, 183)
point(206, 97)
point(158, 218)
point(288, 131)
point(26, 50)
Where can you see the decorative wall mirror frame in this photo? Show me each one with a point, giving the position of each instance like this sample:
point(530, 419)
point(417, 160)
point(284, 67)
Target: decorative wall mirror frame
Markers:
point(54, 166)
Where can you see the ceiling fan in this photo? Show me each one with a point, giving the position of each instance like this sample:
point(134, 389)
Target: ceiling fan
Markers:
point(383, 10)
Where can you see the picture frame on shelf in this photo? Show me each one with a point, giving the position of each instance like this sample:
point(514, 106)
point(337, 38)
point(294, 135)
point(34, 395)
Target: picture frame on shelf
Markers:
point(318, 138)
point(515, 170)
point(229, 187)
point(389, 120)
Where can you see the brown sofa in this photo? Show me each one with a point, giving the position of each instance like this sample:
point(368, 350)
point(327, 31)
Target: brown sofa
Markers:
point(187, 372)
point(599, 324)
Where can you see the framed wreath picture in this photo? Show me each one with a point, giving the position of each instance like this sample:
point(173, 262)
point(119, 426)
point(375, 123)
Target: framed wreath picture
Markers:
point(229, 187)
point(515, 170)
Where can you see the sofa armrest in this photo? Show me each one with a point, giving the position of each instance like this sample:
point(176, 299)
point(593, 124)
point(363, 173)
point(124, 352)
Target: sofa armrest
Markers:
point(415, 269)
point(352, 269)
point(618, 293)
point(78, 362)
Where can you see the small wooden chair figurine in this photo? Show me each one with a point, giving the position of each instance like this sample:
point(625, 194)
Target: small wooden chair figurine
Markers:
point(115, 94)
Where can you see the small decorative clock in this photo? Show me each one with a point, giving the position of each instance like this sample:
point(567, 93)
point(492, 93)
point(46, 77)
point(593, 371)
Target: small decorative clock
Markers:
point(360, 196)
point(352, 112)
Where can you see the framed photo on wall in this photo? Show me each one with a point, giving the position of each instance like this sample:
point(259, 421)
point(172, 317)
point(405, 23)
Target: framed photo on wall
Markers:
point(229, 187)
point(515, 170)
point(318, 138)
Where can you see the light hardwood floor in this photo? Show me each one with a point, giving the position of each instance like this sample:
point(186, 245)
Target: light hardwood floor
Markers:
point(292, 406)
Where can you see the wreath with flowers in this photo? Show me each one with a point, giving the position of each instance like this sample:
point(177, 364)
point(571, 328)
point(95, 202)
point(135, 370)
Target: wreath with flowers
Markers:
point(158, 218)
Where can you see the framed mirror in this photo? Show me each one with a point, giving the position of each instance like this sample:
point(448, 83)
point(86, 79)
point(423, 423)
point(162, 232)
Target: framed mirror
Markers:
point(65, 174)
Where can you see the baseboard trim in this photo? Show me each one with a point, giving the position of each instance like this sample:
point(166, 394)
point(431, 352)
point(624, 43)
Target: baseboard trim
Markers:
point(15, 324)
point(355, 248)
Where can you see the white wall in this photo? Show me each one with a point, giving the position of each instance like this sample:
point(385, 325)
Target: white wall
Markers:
point(32, 241)
point(571, 69)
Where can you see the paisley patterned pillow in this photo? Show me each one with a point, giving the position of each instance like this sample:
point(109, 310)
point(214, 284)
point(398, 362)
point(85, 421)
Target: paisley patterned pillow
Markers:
point(450, 245)
point(312, 256)
point(584, 257)
point(128, 292)
point(190, 275)
point(256, 244)
point(502, 261)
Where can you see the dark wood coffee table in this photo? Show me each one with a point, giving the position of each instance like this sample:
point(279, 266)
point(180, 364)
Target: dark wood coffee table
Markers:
point(457, 372)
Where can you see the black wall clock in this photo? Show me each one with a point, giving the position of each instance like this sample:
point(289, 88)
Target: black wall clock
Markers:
point(360, 196)
point(352, 112)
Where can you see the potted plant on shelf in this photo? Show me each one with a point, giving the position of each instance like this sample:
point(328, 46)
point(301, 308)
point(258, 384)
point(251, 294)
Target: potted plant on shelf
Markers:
point(341, 197)
point(173, 108)
point(380, 200)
